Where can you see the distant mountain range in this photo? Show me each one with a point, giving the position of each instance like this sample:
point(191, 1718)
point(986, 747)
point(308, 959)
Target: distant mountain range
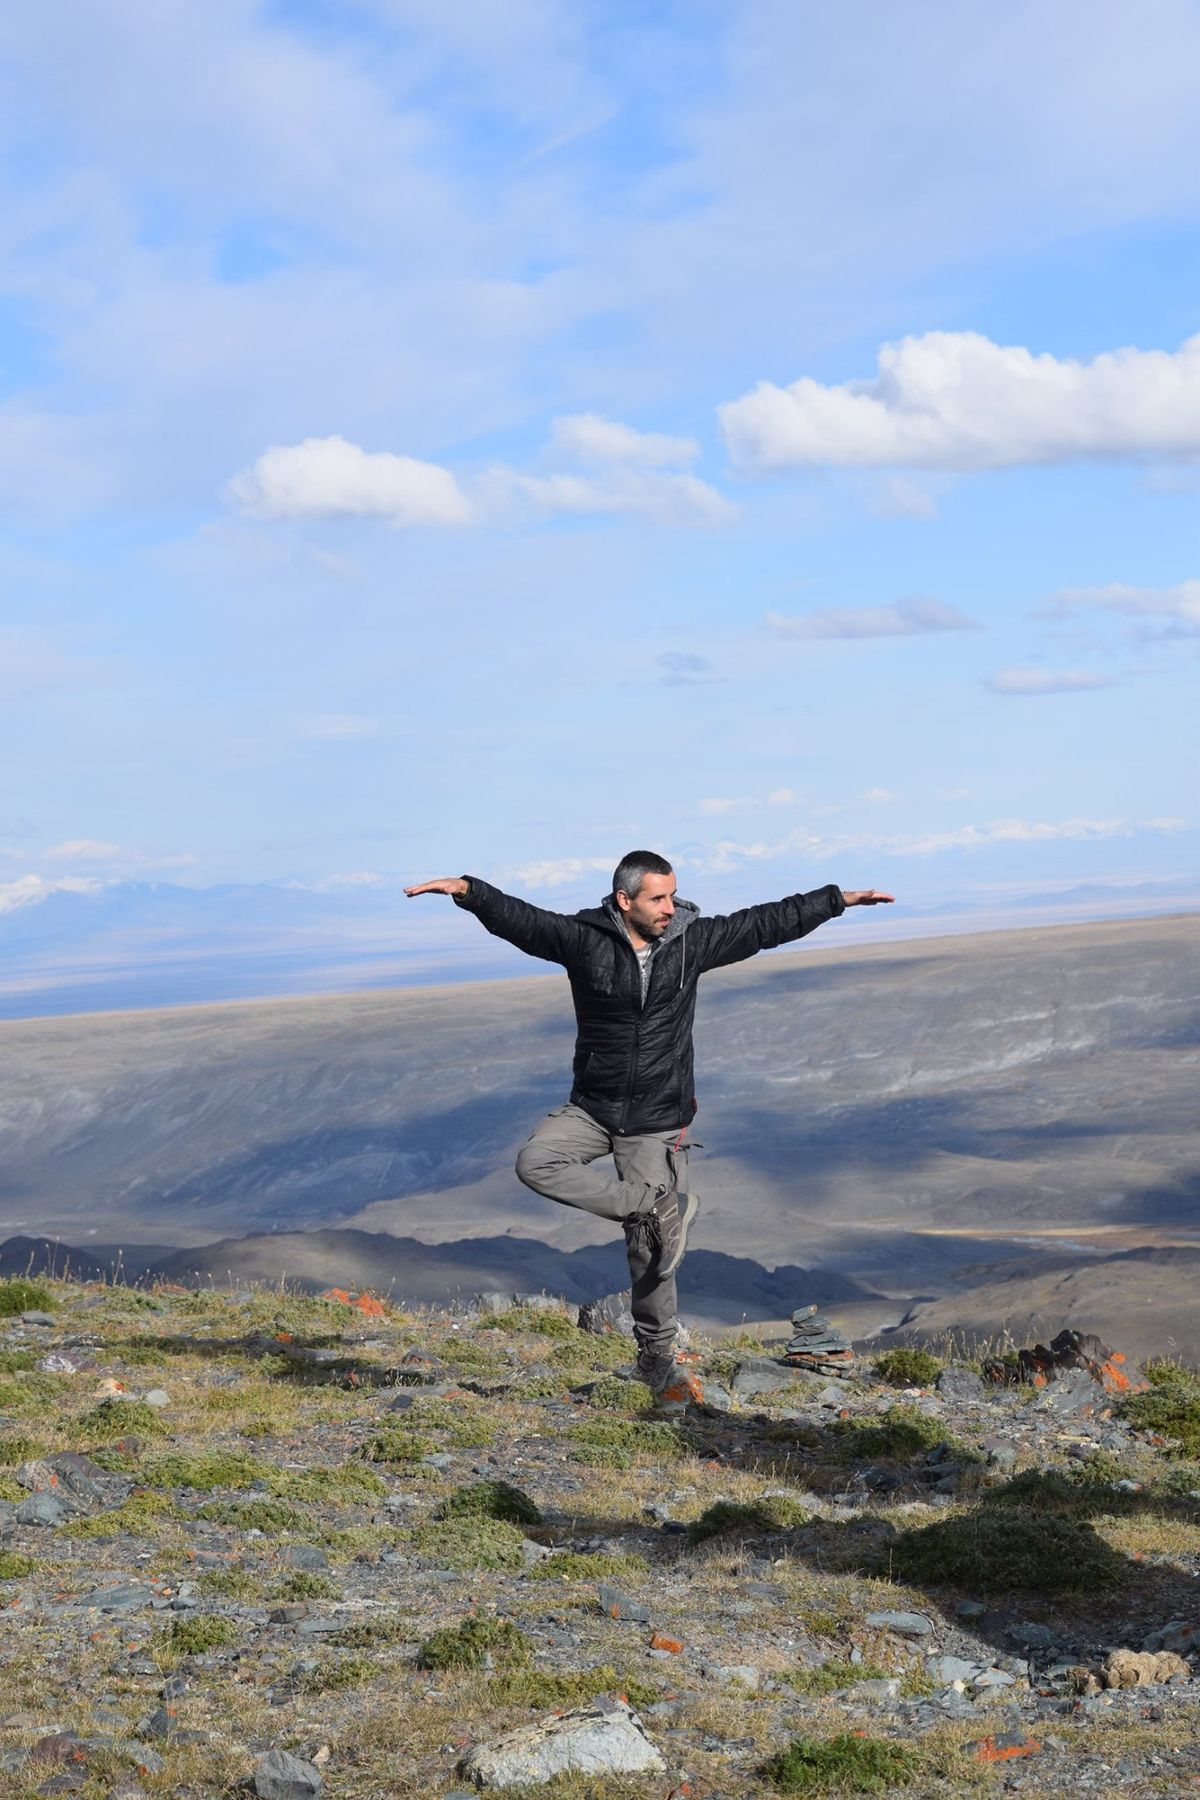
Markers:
point(714, 1288)
point(117, 945)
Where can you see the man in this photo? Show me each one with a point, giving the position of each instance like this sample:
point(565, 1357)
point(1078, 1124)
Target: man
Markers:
point(633, 964)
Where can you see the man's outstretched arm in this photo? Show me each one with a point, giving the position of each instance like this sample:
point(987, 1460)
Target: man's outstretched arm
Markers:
point(738, 935)
point(550, 935)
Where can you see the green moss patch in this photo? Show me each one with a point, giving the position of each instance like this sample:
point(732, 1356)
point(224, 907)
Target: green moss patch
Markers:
point(118, 1419)
point(908, 1367)
point(474, 1642)
point(13, 1565)
point(527, 1318)
point(1170, 1409)
point(541, 1692)
point(844, 1764)
point(471, 1543)
point(17, 1295)
point(377, 1628)
point(339, 1673)
point(194, 1636)
point(254, 1515)
point(618, 1395)
point(896, 1436)
point(393, 1446)
point(613, 1443)
point(832, 1676)
point(307, 1584)
point(1006, 1549)
point(749, 1518)
point(490, 1500)
point(593, 1565)
point(210, 1469)
point(14, 1450)
point(140, 1516)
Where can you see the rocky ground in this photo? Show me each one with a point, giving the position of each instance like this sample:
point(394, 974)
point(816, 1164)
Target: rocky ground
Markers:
point(267, 1541)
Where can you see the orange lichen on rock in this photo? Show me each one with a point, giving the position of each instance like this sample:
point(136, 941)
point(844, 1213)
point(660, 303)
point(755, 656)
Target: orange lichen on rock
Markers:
point(1004, 1748)
point(363, 1303)
point(660, 1641)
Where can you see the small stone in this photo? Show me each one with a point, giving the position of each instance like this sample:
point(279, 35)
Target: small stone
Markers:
point(603, 1738)
point(756, 1375)
point(947, 1669)
point(989, 1679)
point(619, 1606)
point(157, 1397)
point(290, 1614)
point(832, 1396)
point(879, 1690)
point(304, 1556)
point(121, 1596)
point(281, 1776)
point(532, 1552)
point(959, 1384)
point(8, 1521)
point(1001, 1455)
point(903, 1624)
point(1032, 1636)
point(970, 1609)
point(1005, 1747)
point(741, 1674)
point(44, 1509)
point(494, 1301)
point(38, 1318)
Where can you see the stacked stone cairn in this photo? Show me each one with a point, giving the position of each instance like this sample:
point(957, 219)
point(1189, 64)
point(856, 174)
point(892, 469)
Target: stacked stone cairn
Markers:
point(816, 1345)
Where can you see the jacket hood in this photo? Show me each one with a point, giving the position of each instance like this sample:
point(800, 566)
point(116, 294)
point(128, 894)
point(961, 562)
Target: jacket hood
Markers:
point(682, 919)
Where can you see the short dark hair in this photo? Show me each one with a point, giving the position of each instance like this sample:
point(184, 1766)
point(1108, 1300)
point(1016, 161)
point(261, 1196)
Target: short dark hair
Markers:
point(633, 869)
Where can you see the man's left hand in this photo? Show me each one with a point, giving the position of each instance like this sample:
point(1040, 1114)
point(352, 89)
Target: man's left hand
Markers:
point(868, 897)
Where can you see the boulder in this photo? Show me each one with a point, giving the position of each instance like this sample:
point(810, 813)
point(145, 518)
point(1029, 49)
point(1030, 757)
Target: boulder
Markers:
point(603, 1738)
point(607, 1317)
point(1142, 1668)
point(281, 1776)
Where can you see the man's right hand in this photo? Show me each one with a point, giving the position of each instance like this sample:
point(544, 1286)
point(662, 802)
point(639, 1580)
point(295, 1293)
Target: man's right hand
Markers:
point(449, 884)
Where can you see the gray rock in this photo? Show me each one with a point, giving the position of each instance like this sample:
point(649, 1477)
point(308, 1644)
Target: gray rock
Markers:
point(610, 1315)
point(8, 1521)
point(605, 1738)
point(121, 1596)
point(619, 1606)
point(157, 1397)
point(303, 1556)
point(880, 1690)
point(38, 1318)
point(741, 1674)
point(989, 1679)
point(281, 1776)
point(759, 1375)
point(44, 1509)
point(532, 1552)
point(493, 1302)
point(1001, 1455)
point(717, 1398)
point(1032, 1636)
point(959, 1384)
point(947, 1669)
point(904, 1624)
point(75, 1479)
point(970, 1609)
point(832, 1396)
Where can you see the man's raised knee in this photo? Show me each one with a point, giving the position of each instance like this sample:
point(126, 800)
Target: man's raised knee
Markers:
point(534, 1165)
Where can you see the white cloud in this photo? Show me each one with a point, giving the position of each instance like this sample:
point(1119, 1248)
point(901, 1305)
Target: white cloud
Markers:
point(1178, 605)
point(715, 805)
point(330, 478)
point(355, 878)
point(658, 498)
point(879, 795)
point(956, 400)
point(728, 855)
point(563, 872)
point(1046, 681)
point(904, 618)
point(896, 498)
point(781, 797)
point(31, 890)
point(592, 439)
point(84, 850)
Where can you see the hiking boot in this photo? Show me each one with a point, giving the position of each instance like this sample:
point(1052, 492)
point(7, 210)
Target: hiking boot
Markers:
point(675, 1213)
point(656, 1367)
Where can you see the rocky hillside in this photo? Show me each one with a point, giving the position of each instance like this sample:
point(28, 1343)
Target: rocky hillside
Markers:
point(295, 1544)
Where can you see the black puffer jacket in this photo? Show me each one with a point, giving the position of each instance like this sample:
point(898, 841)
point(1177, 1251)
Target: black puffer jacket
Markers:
point(633, 1063)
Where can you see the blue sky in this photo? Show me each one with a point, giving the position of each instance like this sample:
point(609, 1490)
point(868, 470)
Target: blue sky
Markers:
point(492, 437)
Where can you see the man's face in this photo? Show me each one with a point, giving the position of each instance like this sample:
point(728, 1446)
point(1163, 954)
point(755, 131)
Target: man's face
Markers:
point(652, 911)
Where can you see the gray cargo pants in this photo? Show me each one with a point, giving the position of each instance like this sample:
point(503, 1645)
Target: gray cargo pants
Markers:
point(558, 1162)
